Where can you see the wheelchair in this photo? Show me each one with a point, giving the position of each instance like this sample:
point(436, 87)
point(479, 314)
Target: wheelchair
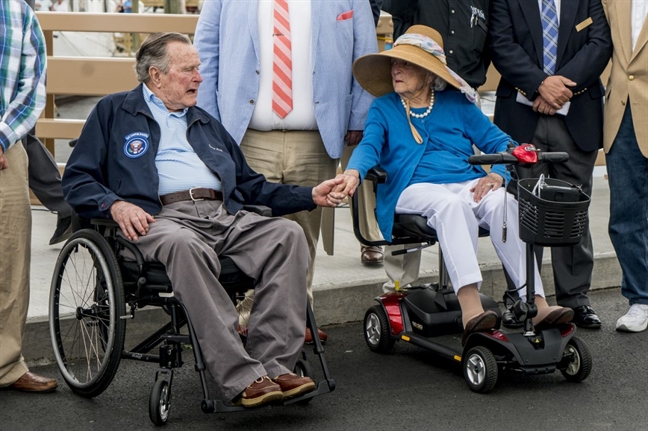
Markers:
point(95, 291)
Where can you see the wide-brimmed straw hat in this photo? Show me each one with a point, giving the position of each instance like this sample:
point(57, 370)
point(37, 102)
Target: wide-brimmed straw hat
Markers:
point(373, 71)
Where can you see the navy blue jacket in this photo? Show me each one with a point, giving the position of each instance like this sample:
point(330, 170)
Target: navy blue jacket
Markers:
point(114, 159)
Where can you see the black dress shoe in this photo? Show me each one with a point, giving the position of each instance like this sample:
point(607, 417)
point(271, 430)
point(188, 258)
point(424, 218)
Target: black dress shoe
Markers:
point(63, 230)
point(585, 317)
point(509, 320)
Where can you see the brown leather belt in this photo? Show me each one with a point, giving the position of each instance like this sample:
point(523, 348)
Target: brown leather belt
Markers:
point(194, 194)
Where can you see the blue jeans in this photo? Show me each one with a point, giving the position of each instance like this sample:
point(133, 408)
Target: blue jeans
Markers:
point(628, 228)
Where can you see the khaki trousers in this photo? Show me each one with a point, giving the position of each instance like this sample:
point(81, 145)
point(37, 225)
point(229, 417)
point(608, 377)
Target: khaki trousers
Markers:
point(293, 157)
point(15, 250)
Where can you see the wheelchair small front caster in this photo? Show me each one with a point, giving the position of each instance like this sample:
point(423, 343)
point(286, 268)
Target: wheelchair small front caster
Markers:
point(160, 402)
point(207, 406)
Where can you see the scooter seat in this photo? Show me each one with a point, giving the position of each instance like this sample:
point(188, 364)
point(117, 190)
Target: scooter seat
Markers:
point(415, 226)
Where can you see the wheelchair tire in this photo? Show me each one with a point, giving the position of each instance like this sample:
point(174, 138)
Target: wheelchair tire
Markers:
point(377, 330)
point(86, 305)
point(160, 402)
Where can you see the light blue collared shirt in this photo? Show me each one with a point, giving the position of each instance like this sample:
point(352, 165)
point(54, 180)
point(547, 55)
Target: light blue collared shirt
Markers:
point(178, 165)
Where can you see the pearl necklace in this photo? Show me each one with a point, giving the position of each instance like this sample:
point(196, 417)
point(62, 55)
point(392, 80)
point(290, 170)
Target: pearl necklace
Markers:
point(427, 111)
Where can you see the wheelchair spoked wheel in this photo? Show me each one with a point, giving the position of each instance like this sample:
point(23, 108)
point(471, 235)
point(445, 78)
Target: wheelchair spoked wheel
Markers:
point(160, 402)
point(86, 303)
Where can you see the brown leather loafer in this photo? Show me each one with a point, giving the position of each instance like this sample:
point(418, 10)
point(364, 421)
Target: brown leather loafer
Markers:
point(481, 322)
point(371, 255)
point(293, 385)
point(30, 382)
point(261, 391)
point(556, 317)
point(308, 338)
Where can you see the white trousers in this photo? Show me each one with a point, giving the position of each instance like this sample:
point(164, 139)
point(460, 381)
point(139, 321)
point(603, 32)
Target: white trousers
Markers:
point(456, 217)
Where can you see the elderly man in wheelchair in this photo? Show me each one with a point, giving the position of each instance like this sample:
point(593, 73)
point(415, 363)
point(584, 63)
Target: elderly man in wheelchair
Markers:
point(175, 181)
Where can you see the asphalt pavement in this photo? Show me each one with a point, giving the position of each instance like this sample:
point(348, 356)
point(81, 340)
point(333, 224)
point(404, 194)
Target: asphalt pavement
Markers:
point(409, 389)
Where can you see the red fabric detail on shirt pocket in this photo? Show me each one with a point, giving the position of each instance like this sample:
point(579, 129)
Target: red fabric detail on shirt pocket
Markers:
point(345, 15)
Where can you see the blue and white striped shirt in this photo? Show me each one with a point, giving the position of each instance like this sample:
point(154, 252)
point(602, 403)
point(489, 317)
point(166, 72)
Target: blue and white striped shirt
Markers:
point(22, 71)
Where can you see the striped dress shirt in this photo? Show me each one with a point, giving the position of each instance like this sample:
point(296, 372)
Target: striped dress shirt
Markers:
point(22, 71)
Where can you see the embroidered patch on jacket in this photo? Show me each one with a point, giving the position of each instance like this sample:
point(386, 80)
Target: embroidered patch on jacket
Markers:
point(136, 144)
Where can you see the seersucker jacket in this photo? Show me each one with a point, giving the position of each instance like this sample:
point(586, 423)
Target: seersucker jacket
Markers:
point(230, 65)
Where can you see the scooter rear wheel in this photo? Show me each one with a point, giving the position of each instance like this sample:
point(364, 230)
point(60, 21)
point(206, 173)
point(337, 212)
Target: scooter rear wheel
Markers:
point(377, 331)
point(480, 369)
point(577, 361)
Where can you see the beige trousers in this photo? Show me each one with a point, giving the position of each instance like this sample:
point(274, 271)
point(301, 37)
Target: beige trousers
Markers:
point(15, 250)
point(293, 157)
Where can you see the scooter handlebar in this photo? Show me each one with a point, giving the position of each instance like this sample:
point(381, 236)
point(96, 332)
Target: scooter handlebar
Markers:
point(506, 158)
point(554, 157)
point(493, 159)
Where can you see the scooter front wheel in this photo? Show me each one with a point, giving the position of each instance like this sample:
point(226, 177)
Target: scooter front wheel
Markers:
point(577, 361)
point(377, 331)
point(480, 369)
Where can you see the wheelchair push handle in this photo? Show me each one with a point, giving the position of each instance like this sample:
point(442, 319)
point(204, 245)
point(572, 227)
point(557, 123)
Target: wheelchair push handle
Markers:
point(525, 154)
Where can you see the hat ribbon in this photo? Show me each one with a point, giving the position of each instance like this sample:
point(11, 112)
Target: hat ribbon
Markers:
point(428, 45)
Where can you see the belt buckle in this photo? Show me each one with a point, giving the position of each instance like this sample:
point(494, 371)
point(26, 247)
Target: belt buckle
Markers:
point(191, 195)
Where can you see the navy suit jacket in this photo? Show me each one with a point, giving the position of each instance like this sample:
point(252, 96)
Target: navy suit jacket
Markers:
point(584, 49)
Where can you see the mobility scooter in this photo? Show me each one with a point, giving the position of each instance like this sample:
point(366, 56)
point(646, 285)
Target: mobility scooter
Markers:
point(551, 213)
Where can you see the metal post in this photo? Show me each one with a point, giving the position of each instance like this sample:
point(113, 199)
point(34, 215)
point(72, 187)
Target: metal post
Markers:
point(530, 279)
point(172, 6)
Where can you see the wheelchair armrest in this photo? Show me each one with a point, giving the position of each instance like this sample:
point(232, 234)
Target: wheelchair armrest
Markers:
point(259, 209)
point(105, 222)
point(101, 224)
point(377, 175)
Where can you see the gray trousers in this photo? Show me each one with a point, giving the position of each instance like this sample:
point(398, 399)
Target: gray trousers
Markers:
point(572, 266)
point(187, 237)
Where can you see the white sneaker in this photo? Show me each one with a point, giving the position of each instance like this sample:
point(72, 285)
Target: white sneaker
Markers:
point(636, 320)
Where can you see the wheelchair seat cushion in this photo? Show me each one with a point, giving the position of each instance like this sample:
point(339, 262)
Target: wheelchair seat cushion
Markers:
point(231, 277)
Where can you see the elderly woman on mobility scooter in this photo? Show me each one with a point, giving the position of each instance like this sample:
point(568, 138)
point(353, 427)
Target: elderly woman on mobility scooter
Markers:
point(421, 130)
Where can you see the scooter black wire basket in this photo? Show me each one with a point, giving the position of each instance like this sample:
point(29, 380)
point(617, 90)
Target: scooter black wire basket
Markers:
point(552, 212)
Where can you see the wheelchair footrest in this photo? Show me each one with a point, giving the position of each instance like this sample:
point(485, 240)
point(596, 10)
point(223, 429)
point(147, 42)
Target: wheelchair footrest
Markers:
point(219, 406)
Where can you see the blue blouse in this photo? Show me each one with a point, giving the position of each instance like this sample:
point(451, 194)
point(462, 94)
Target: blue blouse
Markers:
point(449, 133)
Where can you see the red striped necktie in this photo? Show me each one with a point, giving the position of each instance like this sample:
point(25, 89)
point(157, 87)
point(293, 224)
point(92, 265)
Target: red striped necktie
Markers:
point(282, 102)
